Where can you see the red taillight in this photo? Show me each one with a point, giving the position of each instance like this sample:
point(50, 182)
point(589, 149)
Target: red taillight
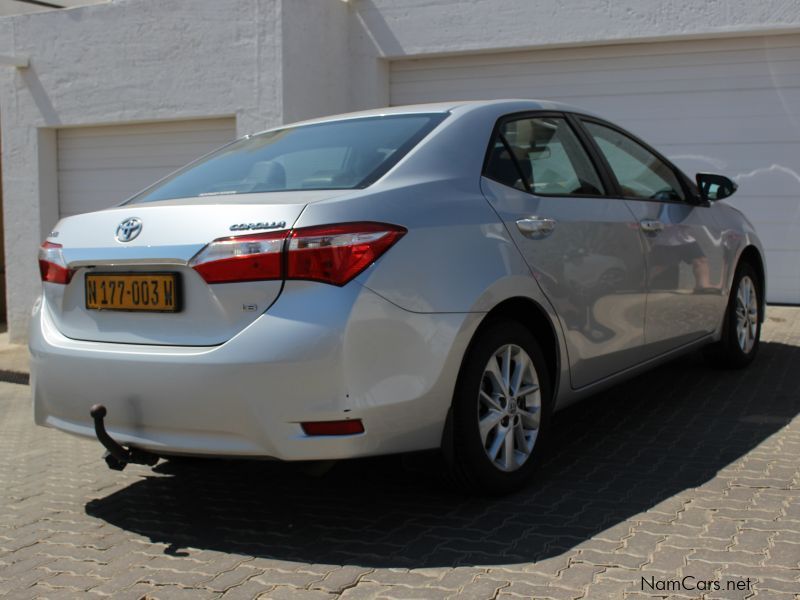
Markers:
point(255, 257)
point(337, 253)
point(332, 254)
point(349, 427)
point(52, 266)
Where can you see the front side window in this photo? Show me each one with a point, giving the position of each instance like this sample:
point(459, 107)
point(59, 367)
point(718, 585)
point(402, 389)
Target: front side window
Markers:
point(544, 156)
point(640, 173)
point(345, 154)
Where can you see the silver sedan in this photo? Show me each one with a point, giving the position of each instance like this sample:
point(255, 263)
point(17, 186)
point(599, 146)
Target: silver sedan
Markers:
point(434, 276)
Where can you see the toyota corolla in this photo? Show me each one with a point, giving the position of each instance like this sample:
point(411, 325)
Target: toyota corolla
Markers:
point(421, 277)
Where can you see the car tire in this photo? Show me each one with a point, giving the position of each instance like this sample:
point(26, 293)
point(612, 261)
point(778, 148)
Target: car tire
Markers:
point(500, 412)
point(741, 330)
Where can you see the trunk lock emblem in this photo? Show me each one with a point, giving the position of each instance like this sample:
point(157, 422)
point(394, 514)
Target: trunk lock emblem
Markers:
point(129, 229)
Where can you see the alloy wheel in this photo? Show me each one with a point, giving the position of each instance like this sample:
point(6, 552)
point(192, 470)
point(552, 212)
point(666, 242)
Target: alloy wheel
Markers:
point(746, 314)
point(509, 407)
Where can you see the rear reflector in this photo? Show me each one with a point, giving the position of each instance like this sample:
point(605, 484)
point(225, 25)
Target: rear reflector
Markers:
point(349, 427)
point(332, 254)
point(52, 266)
point(255, 257)
point(337, 253)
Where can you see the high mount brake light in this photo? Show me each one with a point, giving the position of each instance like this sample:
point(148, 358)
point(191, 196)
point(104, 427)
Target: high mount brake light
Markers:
point(52, 266)
point(333, 254)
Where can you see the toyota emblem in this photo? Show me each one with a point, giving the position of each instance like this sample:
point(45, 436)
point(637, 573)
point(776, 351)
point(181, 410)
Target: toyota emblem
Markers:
point(129, 229)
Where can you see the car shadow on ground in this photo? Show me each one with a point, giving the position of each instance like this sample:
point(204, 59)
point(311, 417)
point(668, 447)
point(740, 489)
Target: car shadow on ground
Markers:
point(612, 456)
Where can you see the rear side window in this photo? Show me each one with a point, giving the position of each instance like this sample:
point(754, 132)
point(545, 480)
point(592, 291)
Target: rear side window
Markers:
point(640, 173)
point(346, 154)
point(544, 156)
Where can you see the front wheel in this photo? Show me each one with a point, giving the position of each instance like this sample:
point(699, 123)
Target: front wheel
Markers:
point(500, 411)
point(741, 331)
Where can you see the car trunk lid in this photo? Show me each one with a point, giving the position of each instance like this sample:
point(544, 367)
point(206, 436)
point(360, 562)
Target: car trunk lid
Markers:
point(172, 232)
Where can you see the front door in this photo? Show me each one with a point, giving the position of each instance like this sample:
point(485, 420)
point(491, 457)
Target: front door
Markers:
point(683, 243)
point(582, 247)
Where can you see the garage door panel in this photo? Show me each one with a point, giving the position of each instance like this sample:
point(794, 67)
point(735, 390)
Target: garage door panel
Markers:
point(154, 127)
point(726, 105)
point(101, 166)
point(746, 74)
point(775, 209)
point(142, 141)
point(783, 276)
point(96, 159)
point(582, 89)
point(739, 157)
point(749, 130)
point(708, 104)
point(107, 180)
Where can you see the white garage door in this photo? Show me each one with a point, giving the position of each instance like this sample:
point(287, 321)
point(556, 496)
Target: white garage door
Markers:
point(727, 105)
point(99, 167)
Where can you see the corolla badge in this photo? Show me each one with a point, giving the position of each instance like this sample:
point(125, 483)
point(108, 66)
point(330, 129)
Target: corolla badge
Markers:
point(129, 229)
point(262, 225)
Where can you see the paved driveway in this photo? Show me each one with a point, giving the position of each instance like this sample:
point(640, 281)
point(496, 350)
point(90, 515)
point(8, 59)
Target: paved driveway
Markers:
point(676, 483)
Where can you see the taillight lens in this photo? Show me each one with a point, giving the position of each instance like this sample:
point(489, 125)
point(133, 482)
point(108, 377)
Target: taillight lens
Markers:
point(255, 257)
point(332, 254)
point(52, 266)
point(337, 253)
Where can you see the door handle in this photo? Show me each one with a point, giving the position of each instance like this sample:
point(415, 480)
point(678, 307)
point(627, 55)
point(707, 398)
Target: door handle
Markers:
point(651, 225)
point(536, 226)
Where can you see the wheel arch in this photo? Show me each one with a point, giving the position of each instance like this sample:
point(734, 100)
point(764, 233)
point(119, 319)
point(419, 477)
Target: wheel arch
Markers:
point(534, 317)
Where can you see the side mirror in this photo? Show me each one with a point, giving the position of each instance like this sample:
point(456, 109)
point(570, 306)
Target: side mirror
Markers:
point(714, 187)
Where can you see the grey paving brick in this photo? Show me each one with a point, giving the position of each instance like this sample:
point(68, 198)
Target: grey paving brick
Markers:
point(540, 591)
point(73, 582)
point(364, 591)
point(777, 585)
point(405, 593)
point(457, 578)
point(273, 577)
point(727, 557)
point(612, 559)
point(246, 591)
point(344, 577)
point(228, 579)
point(784, 554)
point(283, 592)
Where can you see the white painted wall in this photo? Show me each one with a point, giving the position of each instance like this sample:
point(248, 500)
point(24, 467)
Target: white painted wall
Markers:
point(265, 62)
point(407, 28)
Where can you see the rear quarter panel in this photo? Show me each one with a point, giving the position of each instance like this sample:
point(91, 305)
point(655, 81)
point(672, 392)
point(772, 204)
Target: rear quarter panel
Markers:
point(457, 256)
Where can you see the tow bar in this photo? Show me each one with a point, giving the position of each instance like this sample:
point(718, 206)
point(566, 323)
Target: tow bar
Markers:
point(117, 456)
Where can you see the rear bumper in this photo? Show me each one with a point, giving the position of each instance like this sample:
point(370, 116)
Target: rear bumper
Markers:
point(320, 353)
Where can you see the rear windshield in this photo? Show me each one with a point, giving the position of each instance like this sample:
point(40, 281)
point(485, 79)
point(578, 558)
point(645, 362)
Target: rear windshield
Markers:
point(346, 154)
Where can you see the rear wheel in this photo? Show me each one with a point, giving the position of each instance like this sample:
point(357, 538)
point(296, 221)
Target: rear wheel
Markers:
point(742, 328)
point(500, 411)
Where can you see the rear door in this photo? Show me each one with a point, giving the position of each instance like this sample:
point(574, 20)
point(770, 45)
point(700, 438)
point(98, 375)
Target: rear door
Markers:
point(582, 246)
point(682, 241)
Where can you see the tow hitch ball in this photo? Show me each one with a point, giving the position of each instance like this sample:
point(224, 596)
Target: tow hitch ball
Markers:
point(117, 456)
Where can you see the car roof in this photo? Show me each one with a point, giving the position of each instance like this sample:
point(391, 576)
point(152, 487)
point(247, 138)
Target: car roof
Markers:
point(502, 106)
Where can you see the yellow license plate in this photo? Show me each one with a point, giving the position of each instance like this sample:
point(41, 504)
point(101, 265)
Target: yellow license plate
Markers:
point(154, 292)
